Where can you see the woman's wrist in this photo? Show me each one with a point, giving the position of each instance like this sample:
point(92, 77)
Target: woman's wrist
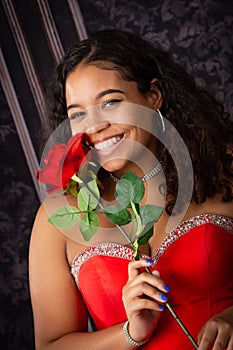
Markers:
point(129, 338)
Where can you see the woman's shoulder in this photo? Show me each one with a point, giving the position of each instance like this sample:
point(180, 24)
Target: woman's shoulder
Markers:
point(213, 205)
point(44, 232)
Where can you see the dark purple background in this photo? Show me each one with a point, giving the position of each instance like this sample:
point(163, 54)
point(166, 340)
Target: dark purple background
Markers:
point(197, 33)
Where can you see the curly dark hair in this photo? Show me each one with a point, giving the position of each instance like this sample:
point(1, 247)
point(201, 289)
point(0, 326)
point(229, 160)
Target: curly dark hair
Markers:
point(200, 120)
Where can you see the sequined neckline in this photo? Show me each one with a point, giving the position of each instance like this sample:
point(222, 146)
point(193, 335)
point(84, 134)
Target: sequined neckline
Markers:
point(103, 248)
point(120, 251)
point(222, 221)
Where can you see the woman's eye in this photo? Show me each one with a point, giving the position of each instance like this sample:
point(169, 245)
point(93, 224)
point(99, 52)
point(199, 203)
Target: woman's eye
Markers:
point(77, 115)
point(111, 104)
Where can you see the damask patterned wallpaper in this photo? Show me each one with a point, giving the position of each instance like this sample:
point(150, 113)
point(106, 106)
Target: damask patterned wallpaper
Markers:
point(18, 203)
point(197, 33)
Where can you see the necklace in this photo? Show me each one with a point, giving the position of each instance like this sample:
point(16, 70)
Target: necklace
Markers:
point(146, 177)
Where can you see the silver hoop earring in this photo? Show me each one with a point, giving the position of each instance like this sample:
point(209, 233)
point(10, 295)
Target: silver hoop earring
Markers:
point(162, 120)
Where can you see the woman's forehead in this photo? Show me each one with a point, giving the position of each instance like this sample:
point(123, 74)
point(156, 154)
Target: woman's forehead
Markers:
point(90, 80)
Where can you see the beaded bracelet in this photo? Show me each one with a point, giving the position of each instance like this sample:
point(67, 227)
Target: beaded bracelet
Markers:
point(128, 337)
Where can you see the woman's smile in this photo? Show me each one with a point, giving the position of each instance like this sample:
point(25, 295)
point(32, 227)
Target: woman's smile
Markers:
point(109, 145)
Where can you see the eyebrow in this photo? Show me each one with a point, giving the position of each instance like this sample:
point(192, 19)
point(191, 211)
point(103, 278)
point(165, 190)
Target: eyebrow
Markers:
point(99, 95)
point(108, 91)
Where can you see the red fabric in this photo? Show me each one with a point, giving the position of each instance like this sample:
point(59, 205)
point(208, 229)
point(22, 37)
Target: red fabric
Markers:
point(198, 268)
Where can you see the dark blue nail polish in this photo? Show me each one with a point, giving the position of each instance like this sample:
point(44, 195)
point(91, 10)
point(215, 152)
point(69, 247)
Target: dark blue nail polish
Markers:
point(149, 261)
point(163, 297)
point(166, 288)
point(162, 307)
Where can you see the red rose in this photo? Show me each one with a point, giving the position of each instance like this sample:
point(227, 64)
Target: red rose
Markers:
point(62, 162)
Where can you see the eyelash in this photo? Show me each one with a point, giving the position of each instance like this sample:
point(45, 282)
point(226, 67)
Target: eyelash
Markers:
point(108, 104)
point(77, 115)
point(111, 103)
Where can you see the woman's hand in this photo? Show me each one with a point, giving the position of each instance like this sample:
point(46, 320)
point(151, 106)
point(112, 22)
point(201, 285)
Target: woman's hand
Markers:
point(217, 332)
point(143, 298)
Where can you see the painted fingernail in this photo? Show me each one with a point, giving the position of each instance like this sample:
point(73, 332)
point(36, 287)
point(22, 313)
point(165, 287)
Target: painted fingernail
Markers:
point(162, 307)
point(149, 261)
point(163, 297)
point(166, 288)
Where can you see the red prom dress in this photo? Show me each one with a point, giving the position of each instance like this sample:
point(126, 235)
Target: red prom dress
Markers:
point(195, 260)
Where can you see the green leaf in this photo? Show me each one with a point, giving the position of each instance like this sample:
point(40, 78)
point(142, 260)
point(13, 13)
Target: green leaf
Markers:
point(93, 188)
point(64, 217)
point(129, 189)
point(146, 234)
point(138, 186)
point(83, 171)
point(124, 192)
point(118, 215)
point(150, 213)
point(73, 188)
point(88, 196)
point(88, 225)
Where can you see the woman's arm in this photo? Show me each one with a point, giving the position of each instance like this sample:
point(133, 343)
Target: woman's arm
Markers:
point(60, 316)
point(218, 332)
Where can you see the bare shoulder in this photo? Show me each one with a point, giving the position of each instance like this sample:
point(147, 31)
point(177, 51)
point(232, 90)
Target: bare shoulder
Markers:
point(44, 233)
point(47, 243)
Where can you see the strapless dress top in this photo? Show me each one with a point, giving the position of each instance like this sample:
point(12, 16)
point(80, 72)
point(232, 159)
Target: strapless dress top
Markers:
point(195, 260)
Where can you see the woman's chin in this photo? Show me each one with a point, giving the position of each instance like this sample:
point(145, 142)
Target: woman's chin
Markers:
point(116, 165)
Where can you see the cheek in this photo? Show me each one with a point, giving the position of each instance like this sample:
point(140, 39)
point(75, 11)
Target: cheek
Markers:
point(146, 138)
point(136, 133)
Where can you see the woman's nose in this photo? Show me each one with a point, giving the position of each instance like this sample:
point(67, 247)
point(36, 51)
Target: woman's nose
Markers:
point(96, 123)
point(95, 128)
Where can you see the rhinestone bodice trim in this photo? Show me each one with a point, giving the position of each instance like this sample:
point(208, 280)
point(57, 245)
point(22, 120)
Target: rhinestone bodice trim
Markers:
point(104, 248)
point(184, 227)
point(123, 252)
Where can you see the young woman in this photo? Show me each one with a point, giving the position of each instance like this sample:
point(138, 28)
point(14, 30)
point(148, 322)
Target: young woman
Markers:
point(192, 263)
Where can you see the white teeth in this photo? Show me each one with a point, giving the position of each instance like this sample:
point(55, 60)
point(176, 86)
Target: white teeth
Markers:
point(108, 143)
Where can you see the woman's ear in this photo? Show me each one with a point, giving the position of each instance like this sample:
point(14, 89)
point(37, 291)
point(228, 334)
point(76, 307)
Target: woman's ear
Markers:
point(155, 95)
